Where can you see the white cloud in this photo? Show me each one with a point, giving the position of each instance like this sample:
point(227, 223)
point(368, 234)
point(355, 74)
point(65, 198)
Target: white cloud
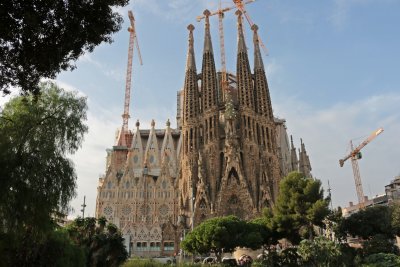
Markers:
point(174, 10)
point(341, 10)
point(327, 132)
point(90, 159)
point(115, 74)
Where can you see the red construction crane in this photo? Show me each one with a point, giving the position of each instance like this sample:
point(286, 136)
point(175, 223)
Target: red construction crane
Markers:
point(132, 43)
point(355, 155)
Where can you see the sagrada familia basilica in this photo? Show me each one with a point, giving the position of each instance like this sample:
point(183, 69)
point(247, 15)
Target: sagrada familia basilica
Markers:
point(226, 156)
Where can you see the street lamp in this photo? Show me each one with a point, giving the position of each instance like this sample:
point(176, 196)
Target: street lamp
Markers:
point(182, 222)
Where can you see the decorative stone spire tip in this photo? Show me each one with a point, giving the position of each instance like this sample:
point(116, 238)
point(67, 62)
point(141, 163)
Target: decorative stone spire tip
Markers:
point(190, 27)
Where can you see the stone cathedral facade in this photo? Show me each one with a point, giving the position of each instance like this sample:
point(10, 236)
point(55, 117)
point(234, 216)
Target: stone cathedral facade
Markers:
point(226, 156)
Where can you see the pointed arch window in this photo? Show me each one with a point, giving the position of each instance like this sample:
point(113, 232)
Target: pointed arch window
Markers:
point(202, 204)
point(233, 200)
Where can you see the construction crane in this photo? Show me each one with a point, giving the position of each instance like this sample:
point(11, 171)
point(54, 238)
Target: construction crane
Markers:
point(220, 12)
point(241, 6)
point(132, 43)
point(355, 155)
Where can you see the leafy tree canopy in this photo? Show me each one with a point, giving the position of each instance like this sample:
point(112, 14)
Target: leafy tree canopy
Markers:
point(222, 234)
point(382, 260)
point(38, 39)
point(300, 205)
point(379, 244)
point(396, 218)
point(368, 222)
point(320, 252)
point(36, 177)
point(102, 242)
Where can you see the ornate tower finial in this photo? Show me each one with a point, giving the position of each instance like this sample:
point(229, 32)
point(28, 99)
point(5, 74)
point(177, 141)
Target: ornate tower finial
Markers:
point(207, 39)
point(168, 123)
point(208, 72)
point(190, 89)
point(243, 72)
point(263, 104)
point(191, 62)
point(241, 42)
point(153, 123)
point(258, 63)
point(137, 124)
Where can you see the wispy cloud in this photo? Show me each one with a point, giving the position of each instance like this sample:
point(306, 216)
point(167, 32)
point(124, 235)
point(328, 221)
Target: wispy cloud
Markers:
point(174, 10)
point(116, 74)
point(342, 8)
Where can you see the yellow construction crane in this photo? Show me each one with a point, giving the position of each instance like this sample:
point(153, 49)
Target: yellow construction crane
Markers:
point(355, 155)
point(132, 43)
point(220, 12)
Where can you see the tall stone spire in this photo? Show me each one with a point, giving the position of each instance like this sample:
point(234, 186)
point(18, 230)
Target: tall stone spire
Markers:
point(258, 62)
point(208, 73)
point(190, 60)
point(191, 91)
point(262, 97)
point(293, 156)
point(243, 72)
point(304, 162)
point(207, 36)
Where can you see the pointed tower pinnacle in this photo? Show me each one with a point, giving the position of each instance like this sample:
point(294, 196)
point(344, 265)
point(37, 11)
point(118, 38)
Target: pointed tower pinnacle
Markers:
point(190, 89)
point(190, 61)
point(208, 73)
point(207, 36)
point(304, 165)
point(293, 156)
point(243, 72)
point(262, 97)
point(241, 42)
point(258, 63)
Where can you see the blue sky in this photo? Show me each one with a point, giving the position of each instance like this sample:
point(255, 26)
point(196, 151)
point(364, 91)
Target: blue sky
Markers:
point(333, 71)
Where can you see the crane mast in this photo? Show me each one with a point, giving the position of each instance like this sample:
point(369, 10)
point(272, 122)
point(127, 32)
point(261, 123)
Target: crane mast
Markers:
point(128, 82)
point(355, 155)
point(224, 82)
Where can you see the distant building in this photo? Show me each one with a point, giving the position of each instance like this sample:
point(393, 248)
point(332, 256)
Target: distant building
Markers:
point(353, 208)
point(392, 190)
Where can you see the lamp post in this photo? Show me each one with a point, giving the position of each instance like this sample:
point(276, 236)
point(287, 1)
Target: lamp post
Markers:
point(193, 211)
point(182, 222)
point(83, 207)
point(145, 173)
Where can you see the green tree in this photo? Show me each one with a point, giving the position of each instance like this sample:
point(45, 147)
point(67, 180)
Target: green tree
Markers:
point(368, 222)
point(53, 248)
point(379, 244)
point(41, 38)
point(320, 252)
point(300, 205)
point(36, 177)
point(263, 226)
point(103, 243)
point(395, 222)
point(222, 234)
point(381, 260)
